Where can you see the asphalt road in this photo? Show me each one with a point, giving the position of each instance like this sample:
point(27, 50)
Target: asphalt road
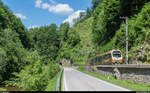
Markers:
point(74, 80)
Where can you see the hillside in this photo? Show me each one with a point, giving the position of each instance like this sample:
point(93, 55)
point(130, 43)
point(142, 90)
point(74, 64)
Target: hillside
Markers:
point(105, 31)
point(77, 45)
point(84, 29)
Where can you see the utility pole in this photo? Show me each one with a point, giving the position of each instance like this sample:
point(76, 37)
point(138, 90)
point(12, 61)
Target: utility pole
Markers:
point(126, 18)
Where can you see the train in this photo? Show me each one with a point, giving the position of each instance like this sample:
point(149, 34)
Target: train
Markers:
point(111, 57)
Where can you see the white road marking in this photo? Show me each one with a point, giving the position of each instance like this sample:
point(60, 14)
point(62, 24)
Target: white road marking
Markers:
point(65, 84)
point(113, 85)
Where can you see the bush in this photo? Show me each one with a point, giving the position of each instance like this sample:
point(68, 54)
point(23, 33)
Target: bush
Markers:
point(34, 76)
point(1, 89)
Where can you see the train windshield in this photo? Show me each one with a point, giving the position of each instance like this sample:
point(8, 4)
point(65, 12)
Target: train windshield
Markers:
point(116, 54)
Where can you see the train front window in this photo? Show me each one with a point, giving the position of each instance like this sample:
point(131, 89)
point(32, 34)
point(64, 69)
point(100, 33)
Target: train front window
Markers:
point(116, 54)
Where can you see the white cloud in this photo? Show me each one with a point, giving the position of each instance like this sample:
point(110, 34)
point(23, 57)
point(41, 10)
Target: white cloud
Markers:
point(55, 8)
point(52, 1)
point(45, 5)
point(61, 9)
point(38, 3)
point(32, 27)
point(19, 15)
point(73, 16)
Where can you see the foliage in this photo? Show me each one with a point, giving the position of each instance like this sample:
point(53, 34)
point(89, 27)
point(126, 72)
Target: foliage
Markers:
point(52, 83)
point(88, 12)
point(25, 52)
point(46, 40)
point(35, 76)
point(106, 21)
point(1, 89)
point(108, 34)
point(95, 3)
point(40, 65)
point(9, 21)
point(73, 38)
point(78, 46)
point(131, 7)
point(14, 38)
point(138, 30)
point(12, 55)
point(63, 30)
point(67, 50)
point(83, 16)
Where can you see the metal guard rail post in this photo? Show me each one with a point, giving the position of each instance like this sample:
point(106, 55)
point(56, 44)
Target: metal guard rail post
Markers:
point(58, 81)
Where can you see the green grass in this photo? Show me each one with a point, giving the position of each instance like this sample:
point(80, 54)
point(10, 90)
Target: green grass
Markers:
point(52, 84)
point(61, 80)
point(84, 29)
point(124, 83)
point(1, 89)
point(80, 63)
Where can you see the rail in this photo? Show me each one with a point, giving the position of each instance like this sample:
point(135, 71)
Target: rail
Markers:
point(59, 80)
point(127, 66)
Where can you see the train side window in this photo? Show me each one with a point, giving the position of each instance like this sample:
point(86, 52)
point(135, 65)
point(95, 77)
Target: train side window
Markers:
point(109, 55)
point(92, 60)
point(102, 58)
point(95, 60)
point(105, 57)
point(99, 59)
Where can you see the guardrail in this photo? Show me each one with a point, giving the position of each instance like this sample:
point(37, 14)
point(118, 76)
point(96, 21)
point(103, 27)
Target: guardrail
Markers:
point(58, 81)
point(127, 66)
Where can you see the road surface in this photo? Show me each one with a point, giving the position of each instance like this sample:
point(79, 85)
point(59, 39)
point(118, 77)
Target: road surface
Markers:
point(74, 80)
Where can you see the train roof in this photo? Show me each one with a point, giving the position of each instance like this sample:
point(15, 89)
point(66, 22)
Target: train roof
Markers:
point(104, 53)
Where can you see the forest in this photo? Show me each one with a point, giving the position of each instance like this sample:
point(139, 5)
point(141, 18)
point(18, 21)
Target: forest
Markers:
point(29, 57)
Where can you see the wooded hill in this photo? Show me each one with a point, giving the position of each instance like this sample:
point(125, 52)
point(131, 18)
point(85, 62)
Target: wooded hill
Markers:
point(27, 57)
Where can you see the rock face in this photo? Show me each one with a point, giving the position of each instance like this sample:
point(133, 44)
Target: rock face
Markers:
point(139, 75)
point(116, 73)
point(141, 55)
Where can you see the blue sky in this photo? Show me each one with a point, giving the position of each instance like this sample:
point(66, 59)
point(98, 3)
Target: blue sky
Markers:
point(45, 12)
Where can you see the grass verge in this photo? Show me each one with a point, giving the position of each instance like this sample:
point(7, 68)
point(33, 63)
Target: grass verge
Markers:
point(61, 80)
point(124, 83)
point(2, 89)
point(52, 84)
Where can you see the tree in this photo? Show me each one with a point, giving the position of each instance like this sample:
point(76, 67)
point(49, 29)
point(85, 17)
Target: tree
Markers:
point(95, 3)
point(88, 12)
point(47, 41)
point(14, 52)
point(106, 21)
point(63, 30)
point(131, 7)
